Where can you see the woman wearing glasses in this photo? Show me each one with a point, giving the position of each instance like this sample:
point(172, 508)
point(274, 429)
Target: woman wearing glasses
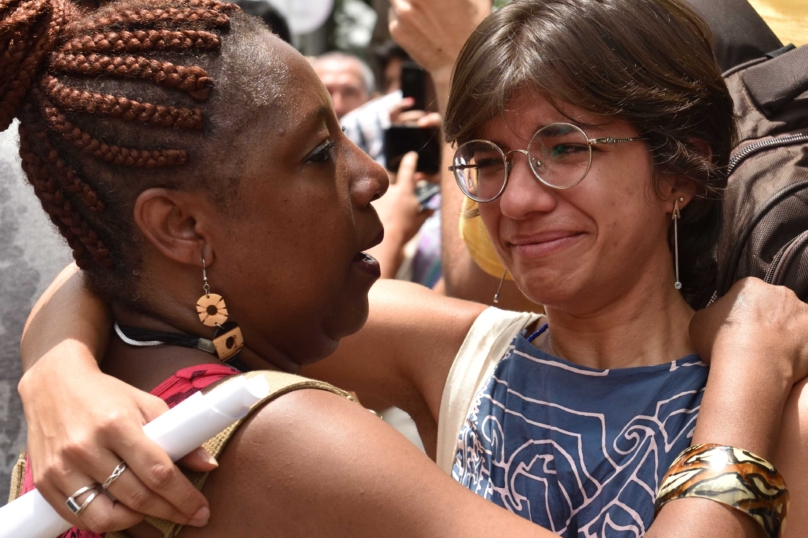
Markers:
point(593, 136)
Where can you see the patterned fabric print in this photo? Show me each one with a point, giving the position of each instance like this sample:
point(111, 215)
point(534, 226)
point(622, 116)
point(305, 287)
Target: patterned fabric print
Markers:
point(577, 450)
point(173, 390)
point(732, 476)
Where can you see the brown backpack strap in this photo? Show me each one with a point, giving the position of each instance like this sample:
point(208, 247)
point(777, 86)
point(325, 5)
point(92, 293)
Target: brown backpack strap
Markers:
point(279, 383)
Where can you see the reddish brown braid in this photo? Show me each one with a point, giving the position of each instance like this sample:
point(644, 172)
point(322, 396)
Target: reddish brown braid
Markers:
point(61, 109)
point(50, 178)
point(140, 158)
point(76, 100)
point(144, 41)
point(34, 27)
point(193, 80)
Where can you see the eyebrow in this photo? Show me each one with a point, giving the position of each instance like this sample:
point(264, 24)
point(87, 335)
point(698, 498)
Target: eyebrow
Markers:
point(320, 113)
point(585, 127)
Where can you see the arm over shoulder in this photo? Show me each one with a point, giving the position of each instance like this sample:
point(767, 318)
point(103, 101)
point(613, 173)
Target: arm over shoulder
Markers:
point(404, 352)
point(314, 464)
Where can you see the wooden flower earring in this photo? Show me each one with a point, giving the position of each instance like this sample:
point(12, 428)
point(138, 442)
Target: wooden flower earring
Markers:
point(211, 307)
point(212, 312)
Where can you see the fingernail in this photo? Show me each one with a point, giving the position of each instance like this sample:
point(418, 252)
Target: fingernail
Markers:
point(209, 459)
point(201, 518)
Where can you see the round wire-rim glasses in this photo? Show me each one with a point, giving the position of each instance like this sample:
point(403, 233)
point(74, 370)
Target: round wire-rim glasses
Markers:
point(559, 154)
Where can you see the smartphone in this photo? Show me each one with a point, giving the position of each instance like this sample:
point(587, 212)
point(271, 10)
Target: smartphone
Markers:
point(402, 139)
point(425, 193)
point(413, 84)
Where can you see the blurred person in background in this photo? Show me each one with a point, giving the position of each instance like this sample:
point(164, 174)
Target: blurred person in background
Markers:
point(349, 80)
point(365, 125)
point(389, 59)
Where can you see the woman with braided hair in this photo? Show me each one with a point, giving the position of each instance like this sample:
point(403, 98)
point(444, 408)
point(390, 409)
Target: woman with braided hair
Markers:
point(160, 156)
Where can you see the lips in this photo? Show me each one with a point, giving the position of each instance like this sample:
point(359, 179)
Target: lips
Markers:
point(543, 244)
point(365, 261)
point(368, 264)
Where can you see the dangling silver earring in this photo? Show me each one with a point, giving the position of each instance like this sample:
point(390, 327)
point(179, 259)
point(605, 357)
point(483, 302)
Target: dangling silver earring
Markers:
point(676, 216)
point(499, 289)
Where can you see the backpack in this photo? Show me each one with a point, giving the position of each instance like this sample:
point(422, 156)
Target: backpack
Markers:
point(765, 229)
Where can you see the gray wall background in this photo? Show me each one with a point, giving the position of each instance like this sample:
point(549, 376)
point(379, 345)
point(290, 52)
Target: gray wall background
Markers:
point(31, 254)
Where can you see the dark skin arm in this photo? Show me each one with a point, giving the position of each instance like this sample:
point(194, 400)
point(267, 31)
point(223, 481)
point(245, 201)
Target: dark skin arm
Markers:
point(314, 464)
point(729, 414)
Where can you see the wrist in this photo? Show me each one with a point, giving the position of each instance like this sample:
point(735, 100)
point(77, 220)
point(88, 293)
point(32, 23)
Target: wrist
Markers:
point(67, 358)
point(442, 78)
point(745, 397)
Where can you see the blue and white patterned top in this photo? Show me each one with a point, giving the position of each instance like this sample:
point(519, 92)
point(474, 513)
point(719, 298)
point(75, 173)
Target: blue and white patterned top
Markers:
point(577, 450)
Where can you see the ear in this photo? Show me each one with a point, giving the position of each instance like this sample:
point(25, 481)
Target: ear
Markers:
point(682, 189)
point(673, 189)
point(169, 221)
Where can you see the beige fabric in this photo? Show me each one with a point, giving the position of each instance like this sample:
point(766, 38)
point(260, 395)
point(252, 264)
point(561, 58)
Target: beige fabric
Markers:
point(279, 383)
point(486, 343)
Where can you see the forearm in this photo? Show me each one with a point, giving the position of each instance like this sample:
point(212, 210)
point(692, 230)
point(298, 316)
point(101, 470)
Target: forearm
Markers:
point(742, 407)
point(67, 316)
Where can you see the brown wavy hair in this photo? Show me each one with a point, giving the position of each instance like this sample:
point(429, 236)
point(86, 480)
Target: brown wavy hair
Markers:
point(647, 62)
point(134, 95)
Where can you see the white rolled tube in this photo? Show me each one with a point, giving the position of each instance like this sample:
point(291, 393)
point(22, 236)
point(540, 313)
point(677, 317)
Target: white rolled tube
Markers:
point(178, 431)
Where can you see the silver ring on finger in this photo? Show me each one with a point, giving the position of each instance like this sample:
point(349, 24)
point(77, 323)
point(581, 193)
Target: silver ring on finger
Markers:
point(116, 474)
point(74, 506)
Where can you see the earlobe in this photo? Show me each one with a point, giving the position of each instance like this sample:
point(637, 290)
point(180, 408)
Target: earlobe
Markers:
point(676, 191)
point(165, 219)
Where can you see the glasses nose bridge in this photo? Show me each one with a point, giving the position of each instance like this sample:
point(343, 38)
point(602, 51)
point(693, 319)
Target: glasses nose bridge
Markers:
point(532, 162)
point(509, 160)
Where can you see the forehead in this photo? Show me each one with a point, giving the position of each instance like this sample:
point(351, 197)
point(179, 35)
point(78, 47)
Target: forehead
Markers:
point(526, 111)
point(301, 90)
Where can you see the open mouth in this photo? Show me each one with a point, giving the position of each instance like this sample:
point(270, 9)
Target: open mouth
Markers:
point(368, 264)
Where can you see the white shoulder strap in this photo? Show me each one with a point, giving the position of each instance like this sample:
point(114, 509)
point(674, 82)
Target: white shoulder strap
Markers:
point(486, 343)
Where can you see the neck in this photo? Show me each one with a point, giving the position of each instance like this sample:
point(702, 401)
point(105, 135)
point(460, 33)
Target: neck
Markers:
point(145, 367)
point(646, 326)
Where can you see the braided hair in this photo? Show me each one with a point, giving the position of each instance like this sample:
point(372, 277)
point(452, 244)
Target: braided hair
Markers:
point(112, 102)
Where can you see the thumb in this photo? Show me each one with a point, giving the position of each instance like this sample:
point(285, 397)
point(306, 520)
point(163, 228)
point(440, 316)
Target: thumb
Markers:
point(199, 460)
point(406, 170)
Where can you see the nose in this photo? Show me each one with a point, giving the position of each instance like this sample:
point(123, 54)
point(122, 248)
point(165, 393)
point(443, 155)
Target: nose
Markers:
point(369, 179)
point(524, 193)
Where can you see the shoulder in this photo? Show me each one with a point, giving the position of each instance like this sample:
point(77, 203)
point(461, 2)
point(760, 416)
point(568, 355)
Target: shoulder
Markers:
point(302, 464)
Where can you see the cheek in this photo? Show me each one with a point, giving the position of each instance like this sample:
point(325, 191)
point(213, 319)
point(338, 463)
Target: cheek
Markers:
point(294, 252)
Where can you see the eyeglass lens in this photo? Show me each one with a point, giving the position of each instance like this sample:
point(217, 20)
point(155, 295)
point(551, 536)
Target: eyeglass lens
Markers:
point(560, 157)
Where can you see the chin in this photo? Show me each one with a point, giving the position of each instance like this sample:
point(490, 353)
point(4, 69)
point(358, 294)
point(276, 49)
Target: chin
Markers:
point(549, 288)
point(344, 321)
point(351, 317)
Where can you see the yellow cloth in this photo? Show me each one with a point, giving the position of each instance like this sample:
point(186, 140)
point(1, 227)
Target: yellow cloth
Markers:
point(475, 236)
point(788, 19)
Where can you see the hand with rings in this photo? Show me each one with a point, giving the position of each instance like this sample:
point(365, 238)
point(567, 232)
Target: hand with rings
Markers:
point(116, 474)
point(73, 503)
point(80, 470)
